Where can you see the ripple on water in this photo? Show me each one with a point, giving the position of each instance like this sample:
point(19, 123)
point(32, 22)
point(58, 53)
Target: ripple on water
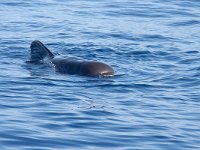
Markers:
point(185, 23)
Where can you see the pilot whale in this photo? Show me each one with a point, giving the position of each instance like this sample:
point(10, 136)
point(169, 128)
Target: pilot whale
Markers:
point(39, 52)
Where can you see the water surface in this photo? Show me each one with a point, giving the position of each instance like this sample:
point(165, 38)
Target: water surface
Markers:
point(151, 103)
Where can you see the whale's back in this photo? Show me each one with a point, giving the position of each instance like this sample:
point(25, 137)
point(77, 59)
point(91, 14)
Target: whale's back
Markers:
point(69, 65)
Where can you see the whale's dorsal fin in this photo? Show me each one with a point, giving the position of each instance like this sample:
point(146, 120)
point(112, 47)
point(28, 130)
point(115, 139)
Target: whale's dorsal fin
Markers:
point(39, 51)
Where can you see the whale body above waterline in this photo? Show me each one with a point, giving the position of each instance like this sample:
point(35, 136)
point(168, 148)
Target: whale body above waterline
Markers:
point(40, 52)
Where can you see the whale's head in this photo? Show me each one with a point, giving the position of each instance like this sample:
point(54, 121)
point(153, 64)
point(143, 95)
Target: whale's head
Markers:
point(93, 68)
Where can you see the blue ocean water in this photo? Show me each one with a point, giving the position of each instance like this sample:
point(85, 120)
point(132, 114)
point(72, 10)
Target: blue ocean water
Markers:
point(151, 103)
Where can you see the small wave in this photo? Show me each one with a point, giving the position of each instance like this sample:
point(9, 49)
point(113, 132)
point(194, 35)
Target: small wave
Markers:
point(185, 23)
point(156, 38)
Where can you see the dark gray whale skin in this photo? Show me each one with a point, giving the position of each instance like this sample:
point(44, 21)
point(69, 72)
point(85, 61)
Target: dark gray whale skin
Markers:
point(40, 52)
